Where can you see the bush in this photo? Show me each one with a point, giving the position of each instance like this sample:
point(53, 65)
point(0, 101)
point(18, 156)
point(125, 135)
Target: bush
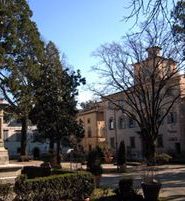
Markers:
point(94, 160)
point(60, 171)
point(108, 155)
point(126, 191)
point(32, 171)
point(5, 191)
point(125, 187)
point(162, 158)
point(71, 186)
point(96, 170)
point(121, 155)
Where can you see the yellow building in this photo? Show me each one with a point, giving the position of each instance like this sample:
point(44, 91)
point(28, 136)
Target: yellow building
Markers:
point(92, 118)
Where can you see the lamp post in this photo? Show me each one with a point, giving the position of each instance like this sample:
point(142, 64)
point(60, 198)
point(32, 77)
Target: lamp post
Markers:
point(69, 151)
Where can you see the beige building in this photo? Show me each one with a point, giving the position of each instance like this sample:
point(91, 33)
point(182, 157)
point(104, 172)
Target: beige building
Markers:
point(12, 140)
point(119, 127)
point(94, 125)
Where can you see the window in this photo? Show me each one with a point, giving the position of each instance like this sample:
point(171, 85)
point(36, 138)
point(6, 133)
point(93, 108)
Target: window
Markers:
point(132, 142)
point(112, 143)
point(131, 123)
point(90, 147)
point(111, 105)
point(160, 141)
point(121, 103)
point(147, 72)
point(89, 133)
point(88, 121)
point(172, 118)
point(5, 134)
point(169, 92)
point(121, 123)
point(111, 123)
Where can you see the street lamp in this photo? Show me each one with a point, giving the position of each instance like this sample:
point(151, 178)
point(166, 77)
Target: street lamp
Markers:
point(69, 151)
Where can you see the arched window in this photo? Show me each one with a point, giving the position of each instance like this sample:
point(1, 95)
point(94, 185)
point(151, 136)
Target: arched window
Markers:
point(88, 120)
point(122, 122)
point(131, 123)
point(89, 133)
point(111, 123)
point(172, 118)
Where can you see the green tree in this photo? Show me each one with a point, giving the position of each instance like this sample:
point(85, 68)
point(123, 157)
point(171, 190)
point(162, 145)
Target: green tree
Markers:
point(55, 111)
point(178, 15)
point(94, 160)
point(121, 155)
point(21, 52)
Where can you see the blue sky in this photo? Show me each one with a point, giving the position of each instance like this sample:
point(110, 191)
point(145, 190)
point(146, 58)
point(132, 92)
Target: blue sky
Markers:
point(79, 27)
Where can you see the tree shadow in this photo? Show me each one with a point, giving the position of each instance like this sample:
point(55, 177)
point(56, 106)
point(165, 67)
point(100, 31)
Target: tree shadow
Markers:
point(173, 198)
point(172, 179)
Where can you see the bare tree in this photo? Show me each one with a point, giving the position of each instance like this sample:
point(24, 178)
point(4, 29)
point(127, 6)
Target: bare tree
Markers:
point(150, 9)
point(144, 78)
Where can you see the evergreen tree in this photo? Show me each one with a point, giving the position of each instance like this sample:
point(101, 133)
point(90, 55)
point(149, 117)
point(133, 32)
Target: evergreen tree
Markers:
point(94, 160)
point(179, 23)
point(121, 155)
point(21, 52)
point(55, 111)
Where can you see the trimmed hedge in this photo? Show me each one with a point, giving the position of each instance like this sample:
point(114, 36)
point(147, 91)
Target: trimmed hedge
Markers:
point(70, 186)
point(5, 191)
point(33, 171)
point(60, 171)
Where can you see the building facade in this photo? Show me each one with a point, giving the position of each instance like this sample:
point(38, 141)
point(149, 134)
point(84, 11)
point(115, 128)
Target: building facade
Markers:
point(12, 138)
point(171, 138)
point(93, 122)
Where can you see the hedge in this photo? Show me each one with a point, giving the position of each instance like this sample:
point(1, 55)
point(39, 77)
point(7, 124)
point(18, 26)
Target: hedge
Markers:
point(5, 191)
point(70, 186)
point(32, 171)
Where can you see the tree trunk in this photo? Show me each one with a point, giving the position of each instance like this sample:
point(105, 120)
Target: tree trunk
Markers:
point(23, 154)
point(150, 152)
point(51, 145)
point(148, 145)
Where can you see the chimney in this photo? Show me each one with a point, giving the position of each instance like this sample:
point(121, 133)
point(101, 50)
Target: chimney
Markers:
point(153, 51)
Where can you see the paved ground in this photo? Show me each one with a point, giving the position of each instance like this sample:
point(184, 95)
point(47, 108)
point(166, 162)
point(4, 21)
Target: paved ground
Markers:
point(171, 176)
